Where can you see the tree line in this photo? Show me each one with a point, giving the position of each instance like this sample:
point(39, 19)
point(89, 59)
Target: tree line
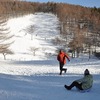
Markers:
point(79, 26)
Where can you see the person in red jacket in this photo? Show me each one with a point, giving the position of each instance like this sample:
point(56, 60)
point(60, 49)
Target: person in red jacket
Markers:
point(61, 57)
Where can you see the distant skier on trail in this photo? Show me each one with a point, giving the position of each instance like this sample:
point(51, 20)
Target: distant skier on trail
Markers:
point(84, 83)
point(61, 57)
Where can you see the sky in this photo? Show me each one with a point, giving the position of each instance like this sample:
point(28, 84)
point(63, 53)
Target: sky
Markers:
point(86, 3)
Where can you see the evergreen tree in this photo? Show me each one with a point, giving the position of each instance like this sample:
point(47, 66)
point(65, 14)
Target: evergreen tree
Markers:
point(5, 37)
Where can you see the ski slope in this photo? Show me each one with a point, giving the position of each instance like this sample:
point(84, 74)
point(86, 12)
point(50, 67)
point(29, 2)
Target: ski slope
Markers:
point(27, 77)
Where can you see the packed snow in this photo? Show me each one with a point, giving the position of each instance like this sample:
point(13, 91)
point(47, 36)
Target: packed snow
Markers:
point(24, 76)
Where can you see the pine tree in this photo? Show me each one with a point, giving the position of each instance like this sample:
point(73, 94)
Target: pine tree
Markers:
point(5, 37)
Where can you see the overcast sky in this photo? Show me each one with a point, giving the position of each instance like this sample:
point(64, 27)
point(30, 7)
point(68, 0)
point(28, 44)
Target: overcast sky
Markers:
point(86, 3)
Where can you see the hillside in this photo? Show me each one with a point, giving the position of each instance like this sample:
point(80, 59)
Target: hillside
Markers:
point(34, 31)
point(27, 77)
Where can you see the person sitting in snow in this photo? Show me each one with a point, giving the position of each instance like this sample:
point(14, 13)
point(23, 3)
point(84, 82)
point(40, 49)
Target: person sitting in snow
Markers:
point(61, 57)
point(82, 84)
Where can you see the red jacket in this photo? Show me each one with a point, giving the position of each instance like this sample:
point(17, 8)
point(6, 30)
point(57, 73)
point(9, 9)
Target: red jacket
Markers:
point(62, 57)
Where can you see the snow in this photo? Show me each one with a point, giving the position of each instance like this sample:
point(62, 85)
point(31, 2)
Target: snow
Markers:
point(27, 77)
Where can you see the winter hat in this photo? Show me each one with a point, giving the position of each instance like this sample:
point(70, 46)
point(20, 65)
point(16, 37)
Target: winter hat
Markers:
point(60, 50)
point(86, 72)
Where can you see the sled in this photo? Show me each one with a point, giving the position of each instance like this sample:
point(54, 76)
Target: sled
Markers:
point(86, 90)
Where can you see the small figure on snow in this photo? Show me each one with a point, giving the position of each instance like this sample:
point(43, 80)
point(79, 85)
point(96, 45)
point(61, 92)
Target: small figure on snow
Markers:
point(62, 60)
point(84, 83)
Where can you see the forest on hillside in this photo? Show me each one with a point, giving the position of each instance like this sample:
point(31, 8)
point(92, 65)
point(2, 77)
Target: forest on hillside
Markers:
point(79, 26)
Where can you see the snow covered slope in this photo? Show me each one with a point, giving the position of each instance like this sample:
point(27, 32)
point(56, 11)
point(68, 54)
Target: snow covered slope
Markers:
point(44, 29)
point(27, 77)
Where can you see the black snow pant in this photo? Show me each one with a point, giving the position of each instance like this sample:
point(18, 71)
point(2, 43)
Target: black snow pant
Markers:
point(61, 67)
point(77, 85)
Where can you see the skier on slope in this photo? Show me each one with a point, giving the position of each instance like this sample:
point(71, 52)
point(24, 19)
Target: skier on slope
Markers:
point(61, 57)
point(82, 84)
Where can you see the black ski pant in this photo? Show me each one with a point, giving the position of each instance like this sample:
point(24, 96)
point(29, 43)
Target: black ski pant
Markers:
point(77, 85)
point(61, 67)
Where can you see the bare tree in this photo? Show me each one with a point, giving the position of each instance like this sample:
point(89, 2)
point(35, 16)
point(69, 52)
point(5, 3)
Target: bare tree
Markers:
point(5, 52)
point(30, 31)
point(33, 50)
